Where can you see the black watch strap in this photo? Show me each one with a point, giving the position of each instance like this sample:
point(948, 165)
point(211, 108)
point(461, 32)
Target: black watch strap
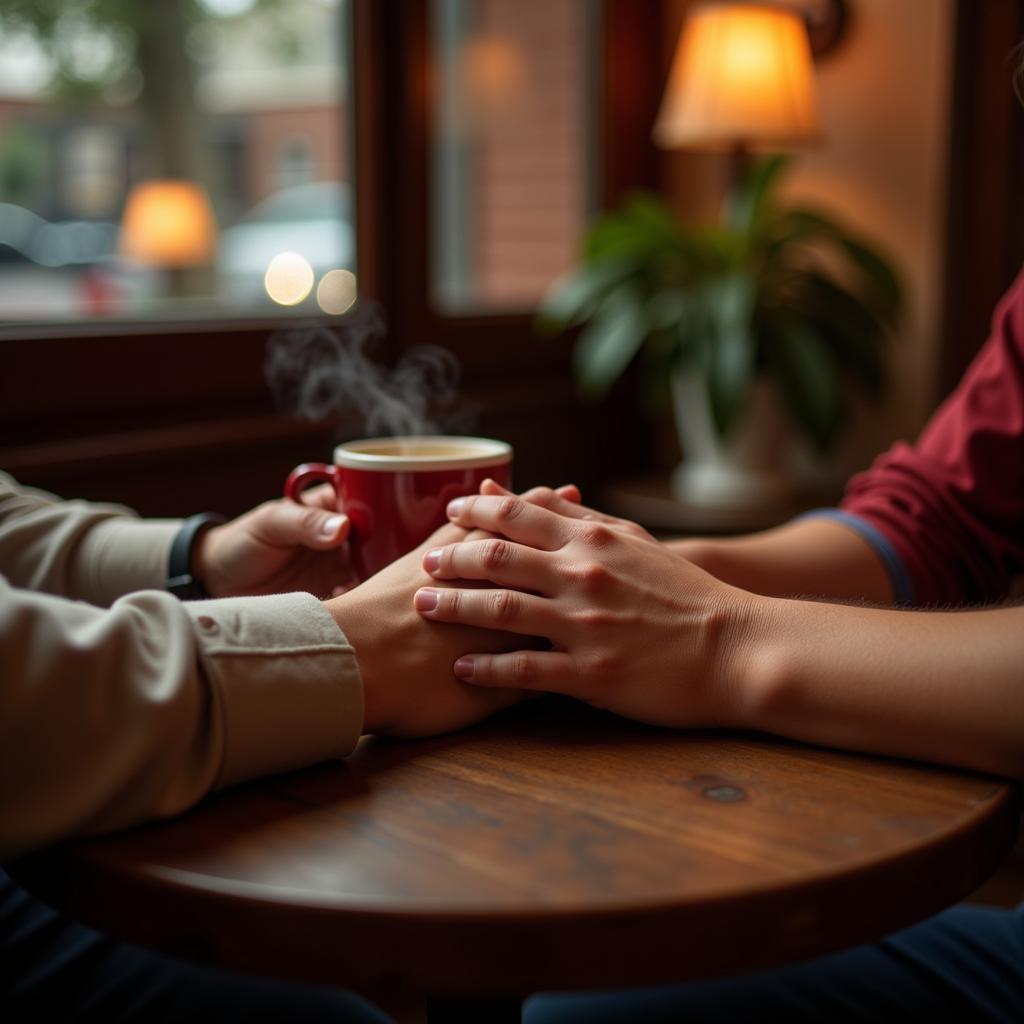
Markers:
point(180, 581)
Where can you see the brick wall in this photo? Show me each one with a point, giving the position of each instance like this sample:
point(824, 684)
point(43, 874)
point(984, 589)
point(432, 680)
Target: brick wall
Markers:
point(530, 174)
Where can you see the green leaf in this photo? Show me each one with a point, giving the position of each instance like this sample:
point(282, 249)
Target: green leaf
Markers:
point(803, 225)
point(729, 304)
point(667, 308)
point(808, 379)
point(747, 204)
point(853, 332)
point(648, 212)
point(607, 345)
point(879, 275)
point(575, 296)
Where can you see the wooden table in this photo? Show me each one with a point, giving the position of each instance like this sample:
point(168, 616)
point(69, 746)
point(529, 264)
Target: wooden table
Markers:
point(554, 847)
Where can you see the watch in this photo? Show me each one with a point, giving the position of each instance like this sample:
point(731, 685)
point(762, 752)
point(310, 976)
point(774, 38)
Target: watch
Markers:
point(180, 581)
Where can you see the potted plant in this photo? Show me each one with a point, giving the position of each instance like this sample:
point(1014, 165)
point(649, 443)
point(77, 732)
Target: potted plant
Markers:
point(769, 308)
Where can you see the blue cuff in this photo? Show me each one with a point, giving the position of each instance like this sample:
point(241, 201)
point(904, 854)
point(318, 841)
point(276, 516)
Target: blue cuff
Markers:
point(902, 587)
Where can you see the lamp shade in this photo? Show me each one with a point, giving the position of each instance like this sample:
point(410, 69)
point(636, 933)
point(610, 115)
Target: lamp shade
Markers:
point(742, 76)
point(168, 223)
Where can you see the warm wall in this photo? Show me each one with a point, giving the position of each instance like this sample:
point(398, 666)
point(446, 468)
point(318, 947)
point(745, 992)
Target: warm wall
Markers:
point(884, 97)
point(885, 112)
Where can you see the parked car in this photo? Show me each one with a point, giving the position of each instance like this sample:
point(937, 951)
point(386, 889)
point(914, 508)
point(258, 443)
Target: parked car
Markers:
point(313, 220)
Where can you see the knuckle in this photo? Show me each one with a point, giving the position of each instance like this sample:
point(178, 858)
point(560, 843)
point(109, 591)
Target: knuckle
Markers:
point(523, 668)
point(509, 509)
point(451, 602)
point(592, 576)
point(544, 496)
point(495, 554)
point(309, 518)
point(504, 605)
point(604, 664)
point(596, 535)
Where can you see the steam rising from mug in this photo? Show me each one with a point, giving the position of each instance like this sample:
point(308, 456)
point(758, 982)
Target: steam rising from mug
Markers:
point(314, 371)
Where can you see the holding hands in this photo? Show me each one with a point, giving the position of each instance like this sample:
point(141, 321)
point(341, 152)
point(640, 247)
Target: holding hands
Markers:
point(633, 628)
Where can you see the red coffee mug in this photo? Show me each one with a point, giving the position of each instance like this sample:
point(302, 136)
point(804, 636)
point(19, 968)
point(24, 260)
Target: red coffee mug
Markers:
point(395, 489)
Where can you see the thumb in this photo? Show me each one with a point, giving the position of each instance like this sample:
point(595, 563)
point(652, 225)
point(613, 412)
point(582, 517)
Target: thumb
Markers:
point(289, 524)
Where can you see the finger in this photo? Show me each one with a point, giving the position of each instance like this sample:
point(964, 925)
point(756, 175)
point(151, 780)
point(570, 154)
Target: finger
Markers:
point(321, 496)
point(507, 610)
point(497, 560)
point(513, 518)
point(544, 496)
point(524, 670)
point(288, 524)
point(564, 500)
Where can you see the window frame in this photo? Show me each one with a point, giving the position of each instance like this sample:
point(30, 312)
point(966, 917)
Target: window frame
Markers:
point(93, 409)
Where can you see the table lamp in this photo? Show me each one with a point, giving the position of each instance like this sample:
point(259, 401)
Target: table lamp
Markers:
point(742, 78)
point(169, 224)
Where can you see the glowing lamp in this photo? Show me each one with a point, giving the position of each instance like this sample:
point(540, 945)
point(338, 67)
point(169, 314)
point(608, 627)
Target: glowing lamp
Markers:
point(168, 223)
point(742, 77)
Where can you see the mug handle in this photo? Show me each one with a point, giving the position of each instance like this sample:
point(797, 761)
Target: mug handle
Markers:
point(309, 472)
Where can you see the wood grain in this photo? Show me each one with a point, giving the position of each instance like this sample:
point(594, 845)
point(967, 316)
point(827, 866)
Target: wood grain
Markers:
point(553, 847)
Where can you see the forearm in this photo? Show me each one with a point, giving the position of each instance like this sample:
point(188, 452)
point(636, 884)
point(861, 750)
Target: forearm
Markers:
point(78, 549)
point(111, 717)
point(811, 557)
point(936, 686)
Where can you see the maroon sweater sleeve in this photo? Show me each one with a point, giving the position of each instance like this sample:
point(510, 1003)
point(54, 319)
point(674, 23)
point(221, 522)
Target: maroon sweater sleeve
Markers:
point(952, 505)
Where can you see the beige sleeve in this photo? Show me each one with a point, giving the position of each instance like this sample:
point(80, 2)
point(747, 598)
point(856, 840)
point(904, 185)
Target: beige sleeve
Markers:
point(79, 549)
point(110, 717)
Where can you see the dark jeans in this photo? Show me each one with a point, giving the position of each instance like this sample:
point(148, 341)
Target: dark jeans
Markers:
point(966, 964)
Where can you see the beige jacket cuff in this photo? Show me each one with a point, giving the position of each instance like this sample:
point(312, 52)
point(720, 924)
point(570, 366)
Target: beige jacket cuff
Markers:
point(288, 680)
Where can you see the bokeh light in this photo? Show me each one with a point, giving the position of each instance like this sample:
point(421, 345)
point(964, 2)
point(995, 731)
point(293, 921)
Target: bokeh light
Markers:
point(289, 278)
point(336, 293)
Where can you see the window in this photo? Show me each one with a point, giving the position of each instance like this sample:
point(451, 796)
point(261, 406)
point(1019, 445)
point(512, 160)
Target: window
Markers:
point(157, 159)
point(150, 389)
point(513, 147)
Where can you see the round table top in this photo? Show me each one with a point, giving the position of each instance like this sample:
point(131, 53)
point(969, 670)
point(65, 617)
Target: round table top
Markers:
point(552, 847)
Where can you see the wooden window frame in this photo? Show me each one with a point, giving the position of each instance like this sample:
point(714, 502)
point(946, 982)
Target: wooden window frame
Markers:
point(985, 226)
point(174, 415)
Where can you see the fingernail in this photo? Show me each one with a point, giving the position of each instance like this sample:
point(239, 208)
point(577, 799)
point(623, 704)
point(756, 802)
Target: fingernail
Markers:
point(432, 560)
point(332, 525)
point(455, 508)
point(463, 668)
point(425, 600)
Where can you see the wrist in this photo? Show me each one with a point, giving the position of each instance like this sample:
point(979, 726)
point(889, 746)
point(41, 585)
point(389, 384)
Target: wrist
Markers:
point(357, 626)
point(187, 577)
point(747, 656)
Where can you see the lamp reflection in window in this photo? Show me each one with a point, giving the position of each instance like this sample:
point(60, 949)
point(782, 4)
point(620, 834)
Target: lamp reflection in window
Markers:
point(169, 224)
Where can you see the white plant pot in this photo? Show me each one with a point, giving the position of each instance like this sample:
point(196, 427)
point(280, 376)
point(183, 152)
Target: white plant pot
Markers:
point(749, 468)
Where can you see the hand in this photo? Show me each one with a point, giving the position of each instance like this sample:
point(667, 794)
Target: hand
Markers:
point(633, 629)
point(282, 546)
point(406, 663)
point(277, 547)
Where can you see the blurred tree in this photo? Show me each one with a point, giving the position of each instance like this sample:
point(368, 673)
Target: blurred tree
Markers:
point(98, 45)
point(23, 160)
